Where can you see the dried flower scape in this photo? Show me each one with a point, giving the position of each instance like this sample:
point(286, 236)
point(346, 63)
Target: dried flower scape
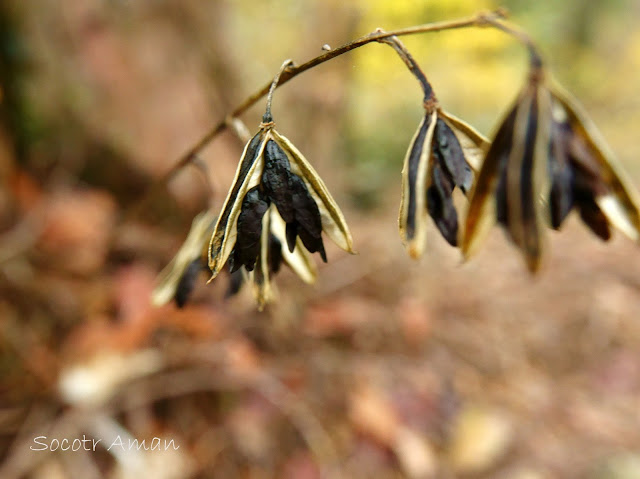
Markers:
point(273, 176)
point(545, 160)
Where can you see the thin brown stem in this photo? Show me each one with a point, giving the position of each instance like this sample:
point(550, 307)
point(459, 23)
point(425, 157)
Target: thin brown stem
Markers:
point(411, 64)
point(478, 20)
point(267, 118)
point(523, 37)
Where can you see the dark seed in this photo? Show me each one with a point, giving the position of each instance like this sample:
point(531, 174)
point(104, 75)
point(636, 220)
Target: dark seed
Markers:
point(306, 210)
point(275, 254)
point(594, 218)
point(501, 147)
point(291, 234)
point(249, 230)
point(307, 224)
point(235, 283)
point(188, 281)
point(561, 194)
point(447, 149)
point(276, 178)
point(312, 243)
point(440, 205)
point(586, 188)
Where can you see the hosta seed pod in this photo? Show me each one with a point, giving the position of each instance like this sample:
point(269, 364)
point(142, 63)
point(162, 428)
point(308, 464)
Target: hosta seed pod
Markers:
point(276, 210)
point(175, 279)
point(545, 160)
point(440, 158)
point(514, 176)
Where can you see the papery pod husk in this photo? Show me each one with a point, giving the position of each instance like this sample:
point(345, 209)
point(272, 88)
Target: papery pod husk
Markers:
point(527, 175)
point(193, 249)
point(524, 154)
point(247, 176)
point(413, 202)
point(474, 144)
point(622, 205)
point(333, 222)
point(260, 277)
point(417, 171)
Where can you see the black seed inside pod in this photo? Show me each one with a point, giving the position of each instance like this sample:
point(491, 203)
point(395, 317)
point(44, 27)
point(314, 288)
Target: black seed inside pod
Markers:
point(307, 224)
point(275, 180)
point(249, 229)
point(275, 254)
point(587, 187)
point(188, 281)
point(235, 283)
point(447, 149)
point(295, 204)
point(440, 204)
point(562, 176)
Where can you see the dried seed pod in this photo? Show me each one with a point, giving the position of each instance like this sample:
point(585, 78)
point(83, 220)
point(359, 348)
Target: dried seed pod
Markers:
point(546, 159)
point(274, 177)
point(514, 175)
point(414, 182)
point(613, 192)
point(177, 279)
point(331, 218)
point(171, 280)
point(441, 156)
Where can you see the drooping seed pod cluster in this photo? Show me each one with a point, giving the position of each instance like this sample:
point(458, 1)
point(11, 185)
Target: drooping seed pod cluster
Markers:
point(274, 177)
point(545, 160)
point(442, 156)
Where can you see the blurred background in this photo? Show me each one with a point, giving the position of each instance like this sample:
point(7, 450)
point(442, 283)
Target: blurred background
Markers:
point(386, 367)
